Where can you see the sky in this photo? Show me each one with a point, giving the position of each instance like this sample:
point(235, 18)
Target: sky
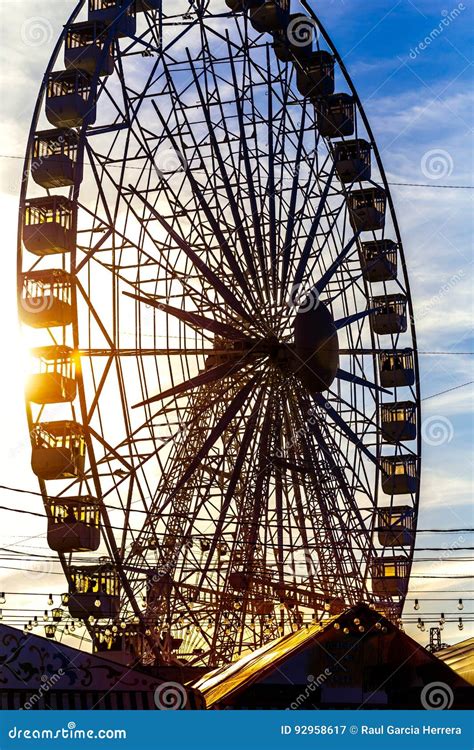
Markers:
point(410, 62)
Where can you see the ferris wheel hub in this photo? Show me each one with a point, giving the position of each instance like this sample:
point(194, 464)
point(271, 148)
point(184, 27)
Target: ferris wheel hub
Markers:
point(316, 350)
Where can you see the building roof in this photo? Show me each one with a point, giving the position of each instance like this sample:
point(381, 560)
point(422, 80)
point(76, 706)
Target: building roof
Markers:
point(288, 661)
point(460, 658)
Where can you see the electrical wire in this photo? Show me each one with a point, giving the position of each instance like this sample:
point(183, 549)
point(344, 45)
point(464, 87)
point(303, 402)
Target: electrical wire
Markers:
point(448, 390)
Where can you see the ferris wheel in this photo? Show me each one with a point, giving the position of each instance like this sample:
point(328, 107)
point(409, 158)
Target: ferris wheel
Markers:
point(224, 404)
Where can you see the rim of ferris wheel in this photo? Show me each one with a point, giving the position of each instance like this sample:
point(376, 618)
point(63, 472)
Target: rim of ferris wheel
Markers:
point(211, 188)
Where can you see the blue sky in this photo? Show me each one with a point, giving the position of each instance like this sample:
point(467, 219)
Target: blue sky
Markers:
point(420, 104)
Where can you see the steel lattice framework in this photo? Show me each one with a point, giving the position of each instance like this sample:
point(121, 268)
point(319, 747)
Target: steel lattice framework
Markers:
point(235, 499)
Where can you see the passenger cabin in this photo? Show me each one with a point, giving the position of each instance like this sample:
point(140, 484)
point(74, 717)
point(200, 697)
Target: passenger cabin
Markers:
point(379, 260)
point(352, 160)
point(94, 592)
point(315, 77)
point(118, 647)
point(335, 116)
point(389, 576)
point(399, 475)
point(45, 300)
point(397, 368)
point(49, 225)
point(54, 380)
point(367, 209)
point(88, 48)
point(396, 526)
point(55, 160)
point(398, 421)
point(68, 99)
point(391, 314)
point(269, 15)
point(73, 524)
point(58, 450)
point(298, 44)
point(114, 12)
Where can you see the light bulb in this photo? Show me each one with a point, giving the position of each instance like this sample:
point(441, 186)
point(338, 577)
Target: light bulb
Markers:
point(460, 604)
point(2, 598)
point(337, 626)
point(29, 626)
point(442, 618)
point(25, 630)
point(419, 623)
point(361, 629)
point(1, 614)
point(346, 631)
point(356, 621)
point(45, 616)
point(91, 619)
point(460, 624)
point(422, 627)
point(148, 631)
point(441, 625)
point(50, 600)
point(378, 626)
point(416, 605)
point(72, 627)
point(97, 603)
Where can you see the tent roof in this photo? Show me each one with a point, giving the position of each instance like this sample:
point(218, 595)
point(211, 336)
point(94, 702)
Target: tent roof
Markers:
point(222, 683)
point(460, 658)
